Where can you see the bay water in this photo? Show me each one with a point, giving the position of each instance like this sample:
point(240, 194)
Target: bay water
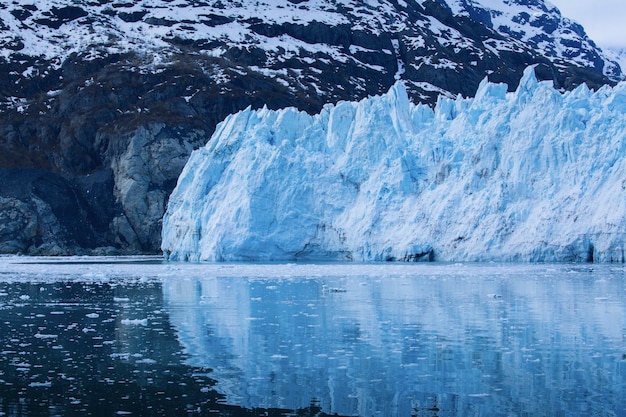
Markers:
point(139, 336)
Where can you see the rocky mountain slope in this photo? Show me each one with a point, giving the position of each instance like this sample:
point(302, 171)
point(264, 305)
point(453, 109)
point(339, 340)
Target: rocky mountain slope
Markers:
point(103, 101)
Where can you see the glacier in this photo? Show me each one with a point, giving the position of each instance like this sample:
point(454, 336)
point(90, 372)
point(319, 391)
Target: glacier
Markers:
point(530, 175)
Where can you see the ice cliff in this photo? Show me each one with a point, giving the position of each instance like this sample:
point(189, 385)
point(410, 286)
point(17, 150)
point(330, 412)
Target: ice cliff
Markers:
point(532, 175)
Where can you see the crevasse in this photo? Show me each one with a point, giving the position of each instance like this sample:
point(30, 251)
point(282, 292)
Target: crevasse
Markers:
point(532, 175)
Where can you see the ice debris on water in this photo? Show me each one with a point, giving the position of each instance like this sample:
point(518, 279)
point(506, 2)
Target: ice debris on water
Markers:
point(46, 336)
point(40, 384)
point(135, 322)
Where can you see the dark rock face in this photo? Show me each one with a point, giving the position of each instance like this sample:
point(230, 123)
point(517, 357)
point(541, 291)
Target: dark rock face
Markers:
point(45, 213)
point(56, 17)
point(92, 141)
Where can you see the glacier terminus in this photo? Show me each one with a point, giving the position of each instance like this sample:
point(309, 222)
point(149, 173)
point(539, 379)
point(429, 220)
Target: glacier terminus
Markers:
point(530, 175)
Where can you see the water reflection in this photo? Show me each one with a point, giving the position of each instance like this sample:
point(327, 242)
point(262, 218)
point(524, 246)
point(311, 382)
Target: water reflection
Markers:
point(99, 348)
point(311, 340)
point(74, 348)
point(550, 343)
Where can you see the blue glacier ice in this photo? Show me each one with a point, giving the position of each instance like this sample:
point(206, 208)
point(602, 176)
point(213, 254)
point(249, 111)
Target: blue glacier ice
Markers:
point(530, 175)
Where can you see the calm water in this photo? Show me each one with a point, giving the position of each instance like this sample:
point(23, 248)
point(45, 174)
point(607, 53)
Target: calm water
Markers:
point(138, 337)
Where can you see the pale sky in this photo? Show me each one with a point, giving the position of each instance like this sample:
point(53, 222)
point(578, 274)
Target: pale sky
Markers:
point(603, 20)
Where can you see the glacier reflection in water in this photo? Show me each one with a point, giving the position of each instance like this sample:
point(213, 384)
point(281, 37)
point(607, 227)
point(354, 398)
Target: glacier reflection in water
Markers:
point(447, 340)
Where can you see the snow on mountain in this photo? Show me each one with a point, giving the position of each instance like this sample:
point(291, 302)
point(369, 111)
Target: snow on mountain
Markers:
point(53, 30)
point(541, 25)
point(532, 175)
point(618, 56)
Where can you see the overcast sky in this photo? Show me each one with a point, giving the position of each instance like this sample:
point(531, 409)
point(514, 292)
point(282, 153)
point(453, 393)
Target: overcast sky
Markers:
point(603, 20)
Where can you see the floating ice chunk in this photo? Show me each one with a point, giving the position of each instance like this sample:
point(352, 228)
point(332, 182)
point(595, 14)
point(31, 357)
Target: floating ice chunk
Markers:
point(135, 322)
point(46, 336)
point(40, 384)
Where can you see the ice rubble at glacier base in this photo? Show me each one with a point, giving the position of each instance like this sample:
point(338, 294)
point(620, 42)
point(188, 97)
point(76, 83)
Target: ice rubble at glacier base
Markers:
point(532, 175)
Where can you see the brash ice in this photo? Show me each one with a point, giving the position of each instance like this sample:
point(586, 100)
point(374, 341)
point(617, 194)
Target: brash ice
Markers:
point(532, 175)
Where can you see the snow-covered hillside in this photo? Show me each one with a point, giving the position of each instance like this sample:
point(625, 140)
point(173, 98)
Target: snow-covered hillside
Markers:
point(617, 55)
point(54, 29)
point(283, 32)
point(530, 175)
